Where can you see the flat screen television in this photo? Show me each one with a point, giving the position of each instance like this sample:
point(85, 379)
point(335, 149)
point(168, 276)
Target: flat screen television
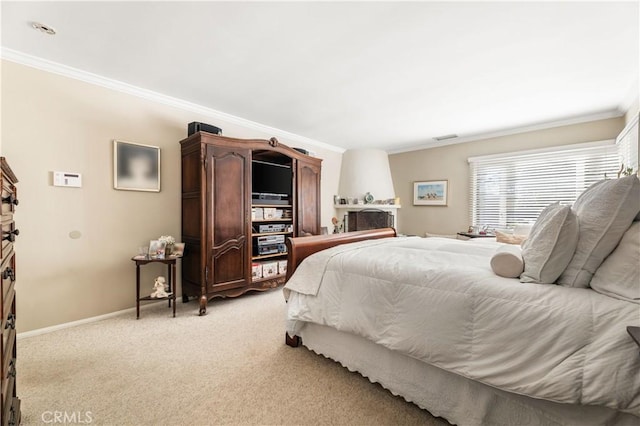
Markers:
point(270, 178)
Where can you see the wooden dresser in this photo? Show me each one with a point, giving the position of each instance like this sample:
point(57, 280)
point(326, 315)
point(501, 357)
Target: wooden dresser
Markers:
point(230, 223)
point(10, 409)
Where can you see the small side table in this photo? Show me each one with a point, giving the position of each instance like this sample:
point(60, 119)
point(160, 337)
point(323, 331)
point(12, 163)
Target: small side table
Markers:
point(170, 261)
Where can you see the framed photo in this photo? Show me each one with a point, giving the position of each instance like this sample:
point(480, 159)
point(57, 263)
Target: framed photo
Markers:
point(431, 193)
point(178, 250)
point(136, 167)
point(156, 249)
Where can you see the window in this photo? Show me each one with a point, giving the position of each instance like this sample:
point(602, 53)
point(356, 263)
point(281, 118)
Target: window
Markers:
point(512, 189)
point(627, 143)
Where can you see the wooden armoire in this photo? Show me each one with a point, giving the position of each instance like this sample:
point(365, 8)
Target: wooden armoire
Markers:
point(219, 205)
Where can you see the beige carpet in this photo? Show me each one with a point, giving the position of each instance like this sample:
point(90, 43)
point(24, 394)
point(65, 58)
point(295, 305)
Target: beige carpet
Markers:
point(230, 366)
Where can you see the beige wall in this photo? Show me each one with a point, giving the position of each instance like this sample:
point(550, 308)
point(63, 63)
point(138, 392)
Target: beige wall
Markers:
point(450, 162)
point(51, 123)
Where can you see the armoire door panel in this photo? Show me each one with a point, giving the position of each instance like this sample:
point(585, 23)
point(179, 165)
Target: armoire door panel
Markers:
point(228, 175)
point(308, 199)
point(229, 265)
point(229, 203)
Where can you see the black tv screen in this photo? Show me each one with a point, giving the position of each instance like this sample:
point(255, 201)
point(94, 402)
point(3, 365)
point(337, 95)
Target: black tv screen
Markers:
point(269, 178)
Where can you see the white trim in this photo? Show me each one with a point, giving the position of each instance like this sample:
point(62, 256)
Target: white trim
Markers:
point(614, 113)
point(367, 206)
point(98, 80)
point(45, 330)
point(87, 77)
point(631, 97)
point(628, 127)
point(585, 145)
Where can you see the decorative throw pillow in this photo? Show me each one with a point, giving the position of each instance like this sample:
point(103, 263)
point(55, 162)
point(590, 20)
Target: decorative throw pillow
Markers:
point(605, 211)
point(522, 230)
point(501, 237)
point(619, 274)
point(507, 261)
point(550, 245)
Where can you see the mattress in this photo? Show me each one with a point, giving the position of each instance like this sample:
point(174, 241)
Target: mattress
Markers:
point(437, 301)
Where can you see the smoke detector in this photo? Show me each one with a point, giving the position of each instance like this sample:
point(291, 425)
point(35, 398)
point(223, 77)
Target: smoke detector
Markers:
point(44, 28)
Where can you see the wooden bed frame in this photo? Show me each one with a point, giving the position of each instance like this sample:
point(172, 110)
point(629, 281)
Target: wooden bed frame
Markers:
point(301, 247)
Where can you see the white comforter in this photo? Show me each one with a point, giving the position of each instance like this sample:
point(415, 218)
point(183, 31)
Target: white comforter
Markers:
point(437, 300)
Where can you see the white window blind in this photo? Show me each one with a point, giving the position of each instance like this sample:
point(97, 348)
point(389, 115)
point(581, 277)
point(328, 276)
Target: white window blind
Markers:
point(507, 190)
point(627, 143)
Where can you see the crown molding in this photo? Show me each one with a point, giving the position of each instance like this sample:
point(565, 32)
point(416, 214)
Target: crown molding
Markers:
point(98, 80)
point(633, 97)
point(603, 115)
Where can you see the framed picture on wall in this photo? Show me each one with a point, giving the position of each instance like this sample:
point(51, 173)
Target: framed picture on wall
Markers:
point(136, 167)
point(431, 193)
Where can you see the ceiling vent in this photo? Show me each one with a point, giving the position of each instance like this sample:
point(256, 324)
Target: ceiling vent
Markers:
point(44, 28)
point(445, 137)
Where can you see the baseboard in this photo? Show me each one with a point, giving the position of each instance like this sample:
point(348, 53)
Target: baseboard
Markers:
point(62, 326)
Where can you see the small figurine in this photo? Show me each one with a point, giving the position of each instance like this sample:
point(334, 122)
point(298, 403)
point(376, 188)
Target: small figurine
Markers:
point(160, 288)
point(337, 226)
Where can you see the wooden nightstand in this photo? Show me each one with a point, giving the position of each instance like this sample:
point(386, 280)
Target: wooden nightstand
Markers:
point(170, 261)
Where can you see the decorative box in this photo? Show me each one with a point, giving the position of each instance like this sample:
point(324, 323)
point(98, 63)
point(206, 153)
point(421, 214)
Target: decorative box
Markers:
point(269, 269)
point(257, 213)
point(256, 271)
point(270, 213)
point(282, 267)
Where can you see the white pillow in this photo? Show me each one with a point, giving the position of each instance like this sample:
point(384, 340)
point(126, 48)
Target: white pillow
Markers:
point(550, 245)
point(522, 230)
point(605, 211)
point(507, 261)
point(501, 237)
point(619, 274)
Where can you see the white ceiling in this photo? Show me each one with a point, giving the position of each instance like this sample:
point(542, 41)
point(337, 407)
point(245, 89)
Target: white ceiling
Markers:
point(381, 74)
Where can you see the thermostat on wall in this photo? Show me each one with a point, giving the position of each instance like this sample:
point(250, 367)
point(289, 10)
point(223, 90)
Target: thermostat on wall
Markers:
point(67, 179)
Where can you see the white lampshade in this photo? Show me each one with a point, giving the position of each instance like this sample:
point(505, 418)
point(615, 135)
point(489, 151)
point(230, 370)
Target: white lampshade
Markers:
point(366, 170)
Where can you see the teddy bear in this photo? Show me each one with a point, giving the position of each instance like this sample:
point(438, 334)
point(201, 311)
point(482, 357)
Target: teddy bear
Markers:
point(160, 288)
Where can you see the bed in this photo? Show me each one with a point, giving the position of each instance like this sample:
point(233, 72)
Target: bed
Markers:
point(429, 320)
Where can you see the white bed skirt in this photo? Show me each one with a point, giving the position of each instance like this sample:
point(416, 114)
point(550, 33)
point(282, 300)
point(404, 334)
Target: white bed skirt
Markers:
point(457, 399)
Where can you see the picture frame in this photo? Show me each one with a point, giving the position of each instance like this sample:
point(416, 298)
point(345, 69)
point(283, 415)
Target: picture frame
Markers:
point(156, 249)
point(178, 250)
point(431, 193)
point(136, 167)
